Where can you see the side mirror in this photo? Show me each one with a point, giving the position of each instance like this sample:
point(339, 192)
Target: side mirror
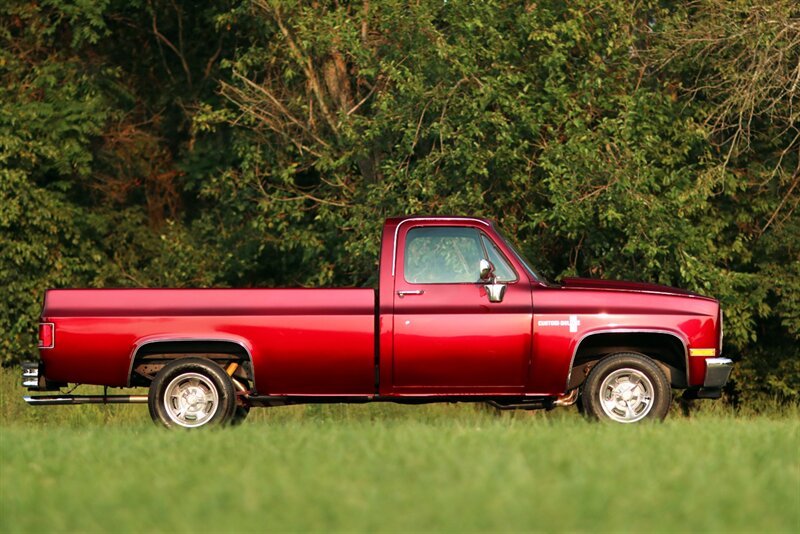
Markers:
point(494, 291)
point(487, 270)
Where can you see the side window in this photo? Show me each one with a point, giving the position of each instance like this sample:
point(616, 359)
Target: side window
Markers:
point(442, 254)
point(502, 269)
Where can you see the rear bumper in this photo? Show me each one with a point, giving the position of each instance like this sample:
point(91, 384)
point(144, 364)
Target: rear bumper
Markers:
point(30, 375)
point(718, 370)
point(33, 378)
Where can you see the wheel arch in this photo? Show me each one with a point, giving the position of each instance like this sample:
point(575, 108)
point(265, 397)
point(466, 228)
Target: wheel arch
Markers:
point(668, 349)
point(172, 348)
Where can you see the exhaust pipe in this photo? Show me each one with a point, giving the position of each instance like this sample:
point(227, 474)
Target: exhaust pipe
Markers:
point(52, 400)
point(537, 404)
point(567, 400)
point(68, 400)
point(546, 403)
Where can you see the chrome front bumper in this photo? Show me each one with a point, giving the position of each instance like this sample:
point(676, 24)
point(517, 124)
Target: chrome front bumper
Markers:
point(718, 370)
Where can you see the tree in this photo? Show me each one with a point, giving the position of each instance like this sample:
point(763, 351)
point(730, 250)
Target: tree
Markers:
point(738, 63)
point(559, 121)
point(262, 143)
point(89, 185)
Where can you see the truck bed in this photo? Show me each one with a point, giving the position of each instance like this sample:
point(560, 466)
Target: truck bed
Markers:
point(300, 341)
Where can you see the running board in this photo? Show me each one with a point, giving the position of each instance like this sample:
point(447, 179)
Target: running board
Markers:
point(66, 400)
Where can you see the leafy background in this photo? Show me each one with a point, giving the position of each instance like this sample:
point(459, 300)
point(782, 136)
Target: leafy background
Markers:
point(152, 143)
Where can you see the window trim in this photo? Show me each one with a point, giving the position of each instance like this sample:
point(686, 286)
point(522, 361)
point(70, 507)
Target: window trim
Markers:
point(481, 235)
point(423, 219)
point(502, 255)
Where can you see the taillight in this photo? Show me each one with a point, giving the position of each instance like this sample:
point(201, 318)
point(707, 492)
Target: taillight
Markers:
point(47, 335)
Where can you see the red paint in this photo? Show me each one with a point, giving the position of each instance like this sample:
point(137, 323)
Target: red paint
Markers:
point(302, 341)
point(449, 340)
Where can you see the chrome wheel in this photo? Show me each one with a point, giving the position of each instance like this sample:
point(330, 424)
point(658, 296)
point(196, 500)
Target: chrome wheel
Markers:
point(191, 400)
point(191, 393)
point(626, 395)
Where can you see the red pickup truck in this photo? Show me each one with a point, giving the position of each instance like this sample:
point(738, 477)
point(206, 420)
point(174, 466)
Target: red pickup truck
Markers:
point(459, 316)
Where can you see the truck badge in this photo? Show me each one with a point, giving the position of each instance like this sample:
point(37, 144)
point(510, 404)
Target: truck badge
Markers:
point(573, 323)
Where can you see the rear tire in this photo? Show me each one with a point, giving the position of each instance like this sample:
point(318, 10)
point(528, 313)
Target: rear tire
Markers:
point(626, 387)
point(191, 393)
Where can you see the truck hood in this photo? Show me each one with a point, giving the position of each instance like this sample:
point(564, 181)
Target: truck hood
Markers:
point(614, 285)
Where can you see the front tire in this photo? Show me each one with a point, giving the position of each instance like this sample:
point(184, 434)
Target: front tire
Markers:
point(626, 388)
point(191, 393)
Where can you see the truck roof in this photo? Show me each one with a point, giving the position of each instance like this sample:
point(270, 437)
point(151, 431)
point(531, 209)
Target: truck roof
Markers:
point(395, 220)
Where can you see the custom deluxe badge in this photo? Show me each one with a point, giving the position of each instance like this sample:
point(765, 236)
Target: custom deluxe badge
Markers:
point(573, 323)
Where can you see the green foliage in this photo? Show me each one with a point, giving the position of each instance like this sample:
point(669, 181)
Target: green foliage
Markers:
point(86, 178)
point(49, 113)
point(262, 143)
point(745, 106)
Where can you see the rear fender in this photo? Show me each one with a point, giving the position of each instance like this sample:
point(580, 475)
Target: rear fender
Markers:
point(234, 346)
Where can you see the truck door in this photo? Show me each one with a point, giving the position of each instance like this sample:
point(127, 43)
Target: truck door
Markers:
point(448, 336)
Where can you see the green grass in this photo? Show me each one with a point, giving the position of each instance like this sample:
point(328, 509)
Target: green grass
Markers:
point(394, 468)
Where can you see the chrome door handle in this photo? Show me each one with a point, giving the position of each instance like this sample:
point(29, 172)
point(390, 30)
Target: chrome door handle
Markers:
point(402, 294)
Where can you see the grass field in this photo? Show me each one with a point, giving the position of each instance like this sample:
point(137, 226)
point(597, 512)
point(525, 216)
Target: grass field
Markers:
point(393, 468)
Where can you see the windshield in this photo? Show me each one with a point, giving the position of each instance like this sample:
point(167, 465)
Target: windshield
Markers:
point(520, 258)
